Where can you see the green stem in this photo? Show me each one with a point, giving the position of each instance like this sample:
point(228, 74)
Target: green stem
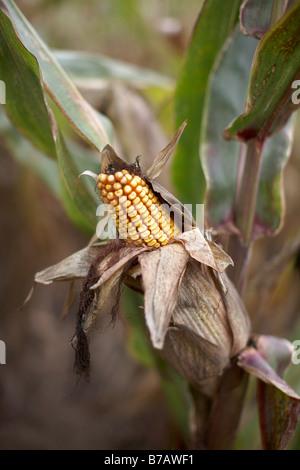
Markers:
point(247, 192)
point(244, 211)
point(240, 254)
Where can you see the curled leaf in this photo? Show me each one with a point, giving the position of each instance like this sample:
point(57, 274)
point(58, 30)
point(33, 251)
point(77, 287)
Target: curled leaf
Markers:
point(162, 272)
point(89, 173)
point(203, 251)
point(194, 357)
point(109, 157)
point(200, 307)
point(255, 17)
point(251, 360)
point(165, 154)
point(279, 404)
point(73, 267)
point(276, 351)
point(275, 67)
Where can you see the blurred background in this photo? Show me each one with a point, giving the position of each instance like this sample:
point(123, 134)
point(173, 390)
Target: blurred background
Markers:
point(123, 406)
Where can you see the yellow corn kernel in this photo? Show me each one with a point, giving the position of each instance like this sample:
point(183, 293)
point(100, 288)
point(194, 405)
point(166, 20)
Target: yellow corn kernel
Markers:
point(132, 196)
point(118, 175)
point(134, 182)
point(142, 228)
point(119, 193)
point(151, 242)
point(145, 234)
point(136, 210)
point(155, 231)
point(143, 209)
point(136, 219)
point(123, 199)
point(136, 200)
point(131, 211)
point(139, 206)
point(102, 178)
point(127, 189)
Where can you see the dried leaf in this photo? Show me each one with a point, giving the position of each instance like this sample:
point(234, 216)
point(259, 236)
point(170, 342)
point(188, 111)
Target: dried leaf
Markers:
point(89, 173)
point(162, 272)
point(276, 351)
point(164, 155)
point(73, 267)
point(109, 157)
point(279, 415)
point(279, 404)
point(203, 251)
point(111, 270)
point(102, 294)
point(182, 216)
point(251, 361)
point(194, 357)
point(125, 254)
point(200, 307)
point(236, 313)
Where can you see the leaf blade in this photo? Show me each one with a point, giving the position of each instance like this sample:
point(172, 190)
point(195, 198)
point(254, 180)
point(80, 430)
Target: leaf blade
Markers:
point(91, 125)
point(274, 68)
point(25, 103)
point(212, 28)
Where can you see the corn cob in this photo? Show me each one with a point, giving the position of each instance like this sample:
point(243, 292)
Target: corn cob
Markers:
point(138, 214)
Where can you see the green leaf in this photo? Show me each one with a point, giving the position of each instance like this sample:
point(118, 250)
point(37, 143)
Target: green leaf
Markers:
point(74, 214)
point(92, 70)
point(224, 100)
point(270, 199)
point(275, 67)
point(220, 158)
point(91, 125)
point(80, 193)
point(215, 22)
point(27, 155)
point(48, 171)
point(25, 102)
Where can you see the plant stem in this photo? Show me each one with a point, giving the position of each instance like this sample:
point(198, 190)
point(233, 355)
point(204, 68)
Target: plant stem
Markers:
point(245, 205)
point(247, 190)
